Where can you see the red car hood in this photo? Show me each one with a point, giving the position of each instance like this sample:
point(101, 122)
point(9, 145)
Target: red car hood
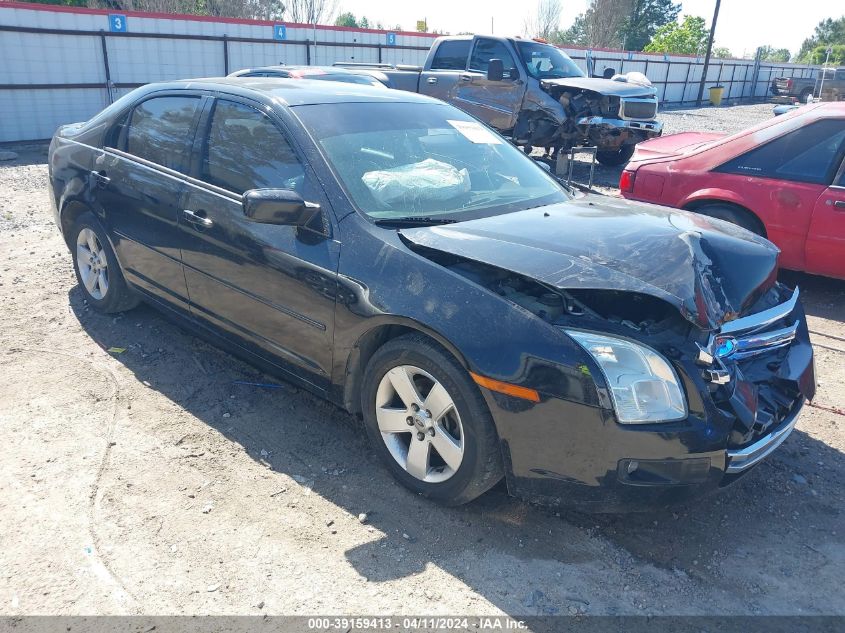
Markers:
point(674, 145)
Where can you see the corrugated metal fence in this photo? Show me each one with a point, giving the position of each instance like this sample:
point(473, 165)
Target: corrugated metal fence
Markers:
point(61, 64)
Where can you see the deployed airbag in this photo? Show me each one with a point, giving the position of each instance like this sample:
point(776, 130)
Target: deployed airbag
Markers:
point(429, 179)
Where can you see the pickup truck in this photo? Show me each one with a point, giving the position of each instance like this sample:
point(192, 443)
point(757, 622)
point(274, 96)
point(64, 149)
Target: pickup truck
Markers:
point(801, 88)
point(533, 93)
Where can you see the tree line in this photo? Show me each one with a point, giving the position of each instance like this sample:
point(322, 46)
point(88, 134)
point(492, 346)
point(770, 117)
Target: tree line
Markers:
point(654, 26)
point(634, 25)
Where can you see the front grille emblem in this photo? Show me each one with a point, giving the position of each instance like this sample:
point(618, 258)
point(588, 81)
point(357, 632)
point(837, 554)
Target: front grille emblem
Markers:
point(724, 346)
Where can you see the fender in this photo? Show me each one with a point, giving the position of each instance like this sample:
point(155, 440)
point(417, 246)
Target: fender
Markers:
point(713, 193)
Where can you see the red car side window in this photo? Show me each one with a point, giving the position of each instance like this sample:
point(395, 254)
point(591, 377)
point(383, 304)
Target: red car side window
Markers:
point(810, 154)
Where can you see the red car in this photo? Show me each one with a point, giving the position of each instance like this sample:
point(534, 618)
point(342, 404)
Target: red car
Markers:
point(783, 179)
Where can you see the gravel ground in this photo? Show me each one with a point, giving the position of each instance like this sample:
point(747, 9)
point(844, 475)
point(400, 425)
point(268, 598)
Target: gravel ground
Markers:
point(149, 482)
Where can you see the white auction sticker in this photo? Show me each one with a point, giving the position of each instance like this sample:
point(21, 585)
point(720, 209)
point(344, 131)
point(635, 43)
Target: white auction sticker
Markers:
point(475, 132)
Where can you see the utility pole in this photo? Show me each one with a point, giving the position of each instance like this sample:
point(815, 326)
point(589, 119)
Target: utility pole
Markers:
point(491, 25)
point(707, 54)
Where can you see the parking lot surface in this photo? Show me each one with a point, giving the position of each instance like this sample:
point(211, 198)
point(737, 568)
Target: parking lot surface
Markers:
point(156, 480)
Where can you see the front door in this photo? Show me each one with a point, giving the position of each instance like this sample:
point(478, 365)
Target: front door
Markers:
point(497, 103)
point(139, 179)
point(268, 288)
point(826, 237)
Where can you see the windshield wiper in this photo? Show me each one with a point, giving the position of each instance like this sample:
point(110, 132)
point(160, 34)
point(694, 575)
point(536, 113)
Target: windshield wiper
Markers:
point(414, 221)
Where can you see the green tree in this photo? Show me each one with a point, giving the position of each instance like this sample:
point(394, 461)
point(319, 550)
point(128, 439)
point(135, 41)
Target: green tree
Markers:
point(646, 16)
point(772, 54)
point(575, 34)
point(688, 37)
point(827, 31)
point(346, 19)
point(819, 54)
point(722, 52)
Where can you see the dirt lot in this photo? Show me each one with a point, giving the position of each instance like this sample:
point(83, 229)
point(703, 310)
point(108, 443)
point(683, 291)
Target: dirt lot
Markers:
point(151, 482)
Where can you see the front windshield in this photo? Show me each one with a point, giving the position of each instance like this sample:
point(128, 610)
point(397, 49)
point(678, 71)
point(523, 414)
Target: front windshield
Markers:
point(425, 160)
point(547, 62)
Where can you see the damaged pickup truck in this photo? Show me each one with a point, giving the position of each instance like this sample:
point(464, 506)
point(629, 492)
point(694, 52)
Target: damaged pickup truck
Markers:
point(535, 94)
point(389, 252)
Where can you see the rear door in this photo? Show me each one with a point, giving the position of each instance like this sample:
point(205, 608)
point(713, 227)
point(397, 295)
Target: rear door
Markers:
point(268, 288)
point(494, 102)
point(140, 177)
point(448, 62)
point(826, 237)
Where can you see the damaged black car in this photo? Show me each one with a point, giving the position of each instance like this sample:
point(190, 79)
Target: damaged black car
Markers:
point(392, 254)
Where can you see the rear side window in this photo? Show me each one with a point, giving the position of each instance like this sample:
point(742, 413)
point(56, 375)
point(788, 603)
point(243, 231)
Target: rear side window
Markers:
point(451, 55)
point(160, 129)
point(244, 150)
point(485, 50)
point(810, 154)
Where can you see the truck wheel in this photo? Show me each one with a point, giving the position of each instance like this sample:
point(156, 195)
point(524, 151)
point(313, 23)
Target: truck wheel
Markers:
point(617, 157)
point(428, 421)
point(805, 94)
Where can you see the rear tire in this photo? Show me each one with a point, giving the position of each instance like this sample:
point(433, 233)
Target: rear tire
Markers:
point(617, 157)
point(96, 267)
point(733, 215)
point(449, 451)
point(804, 95)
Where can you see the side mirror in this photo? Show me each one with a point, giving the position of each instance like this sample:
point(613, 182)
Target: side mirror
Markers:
point(278, 206)
point(544, 165)
point(495, 70)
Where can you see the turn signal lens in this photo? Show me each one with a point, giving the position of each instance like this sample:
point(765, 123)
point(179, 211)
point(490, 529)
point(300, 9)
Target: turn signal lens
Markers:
point(506, 388)
point(626, 181)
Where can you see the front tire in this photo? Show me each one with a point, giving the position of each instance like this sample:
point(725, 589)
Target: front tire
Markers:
point(615, 158)
point(428, 422)
point(96, 267)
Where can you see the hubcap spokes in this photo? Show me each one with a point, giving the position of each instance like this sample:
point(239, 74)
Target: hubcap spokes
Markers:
point(92, 264)
point(419, 424)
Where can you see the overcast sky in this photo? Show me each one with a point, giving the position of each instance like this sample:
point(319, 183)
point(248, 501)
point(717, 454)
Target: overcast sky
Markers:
point(743, 24)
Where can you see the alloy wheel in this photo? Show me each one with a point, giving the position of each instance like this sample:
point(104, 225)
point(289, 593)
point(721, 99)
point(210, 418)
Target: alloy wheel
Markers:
point(92, 264)
point(419, 424)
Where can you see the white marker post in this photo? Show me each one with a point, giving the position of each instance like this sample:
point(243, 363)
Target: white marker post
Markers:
point(824, 70)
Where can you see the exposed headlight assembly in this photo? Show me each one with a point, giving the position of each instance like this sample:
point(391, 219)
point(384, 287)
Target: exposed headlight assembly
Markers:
point(643, 385)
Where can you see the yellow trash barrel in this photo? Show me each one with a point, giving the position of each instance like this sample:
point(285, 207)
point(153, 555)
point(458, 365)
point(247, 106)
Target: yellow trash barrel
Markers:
point(716, 93)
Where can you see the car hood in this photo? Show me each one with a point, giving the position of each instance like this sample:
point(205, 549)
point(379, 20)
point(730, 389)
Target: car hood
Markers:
point(709, 269)
point(602, 86)
point(674, 145)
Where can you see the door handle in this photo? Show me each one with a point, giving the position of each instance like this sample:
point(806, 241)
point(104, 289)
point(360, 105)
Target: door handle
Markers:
point(839, 204)
point(100, 178)
point(432, 80)
point(466, 77)
point(197, 218)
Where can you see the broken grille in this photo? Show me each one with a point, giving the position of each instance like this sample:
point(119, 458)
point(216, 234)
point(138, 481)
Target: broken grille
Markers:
point(639, 109)
point(762, 394)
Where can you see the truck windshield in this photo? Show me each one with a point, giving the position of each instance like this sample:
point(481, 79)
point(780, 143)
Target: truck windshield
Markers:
point(425, 161)
point(547, 62)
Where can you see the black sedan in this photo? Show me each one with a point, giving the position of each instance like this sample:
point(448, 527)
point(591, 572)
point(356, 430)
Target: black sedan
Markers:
point(390, 253)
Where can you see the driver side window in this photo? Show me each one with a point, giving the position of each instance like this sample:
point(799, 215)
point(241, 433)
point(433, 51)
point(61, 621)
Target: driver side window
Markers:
point(485, 50)
point(245, 150)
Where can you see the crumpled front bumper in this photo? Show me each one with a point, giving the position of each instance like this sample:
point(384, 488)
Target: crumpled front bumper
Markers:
point(568, 454)
point(647, 128)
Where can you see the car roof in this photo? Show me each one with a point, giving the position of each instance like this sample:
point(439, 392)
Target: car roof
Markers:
point(315, 69)
point(284, 92)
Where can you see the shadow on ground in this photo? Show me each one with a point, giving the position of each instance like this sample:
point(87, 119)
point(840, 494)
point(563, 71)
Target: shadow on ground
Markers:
point(791, 503)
